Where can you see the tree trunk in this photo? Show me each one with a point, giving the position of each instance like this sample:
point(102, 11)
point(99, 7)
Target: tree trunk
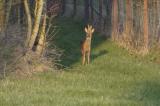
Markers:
point(114, 19)
point(36, 8)
point(36, 24)
point(74, 7)
point(158, 31)
point(63, 7)
point(8, 10)
point(2, 15)
point(155, 13)
point(86, 11)
point(19, 14)
point(92, 12)
point(29, 22)
point(128, 18)
point(122, 15)
point(100, 13)
point(108, 18)
point(146, 35)
point(42, 39)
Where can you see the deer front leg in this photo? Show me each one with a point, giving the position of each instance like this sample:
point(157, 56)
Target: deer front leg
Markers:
point(83, 58)
point(88, 57)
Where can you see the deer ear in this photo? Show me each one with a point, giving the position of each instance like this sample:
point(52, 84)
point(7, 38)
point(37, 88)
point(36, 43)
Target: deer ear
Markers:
point(92, 30)
point(86, 30)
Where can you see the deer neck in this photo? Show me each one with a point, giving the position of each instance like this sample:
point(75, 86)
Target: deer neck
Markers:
point(88, 40)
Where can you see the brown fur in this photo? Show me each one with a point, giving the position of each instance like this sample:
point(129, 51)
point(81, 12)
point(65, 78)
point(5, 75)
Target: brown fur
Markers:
point(86, 44)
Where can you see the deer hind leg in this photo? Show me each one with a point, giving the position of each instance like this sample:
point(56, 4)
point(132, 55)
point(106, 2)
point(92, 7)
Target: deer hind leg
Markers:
point(88, 57)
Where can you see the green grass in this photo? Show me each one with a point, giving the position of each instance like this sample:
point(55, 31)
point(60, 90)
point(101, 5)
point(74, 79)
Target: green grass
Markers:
point(114, 78)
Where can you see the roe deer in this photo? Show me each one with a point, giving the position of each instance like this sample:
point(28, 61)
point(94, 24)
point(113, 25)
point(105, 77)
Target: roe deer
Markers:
point(86, 44)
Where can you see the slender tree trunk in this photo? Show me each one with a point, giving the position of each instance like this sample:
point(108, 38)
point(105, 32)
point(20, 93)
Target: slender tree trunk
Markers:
point(36, 24)
point(108, 26)
point(8, 10)
point(19, 13)
point(146, 35)
point(100, 9)
point(29, 22)
point(92, 12)
point(42, 39)
point(122, 15)
point(158, 31)
point(155, 17)
point(128, 18)
point(114, 19)
point(22, 12)
point(100, 13)
point(74, 7)
point(2, 15)
point(36, 8)
point(86, 11)
point(63, 7)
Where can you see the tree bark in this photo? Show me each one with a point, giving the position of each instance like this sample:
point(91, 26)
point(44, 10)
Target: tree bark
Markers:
point(29, 22)
point(86, 11)
point(122, 15)
point(19, 13)
point(114, 19)
point(158, 31)
point(36, 8)
point(74, 7)
point(36, 24)
point(2, 15)
point(8, 10)
point(100, 13)
point(63, 7)
point(128, 18)
point(146, 35)
point(92, 12)
point(108, 18)
point(42, 39)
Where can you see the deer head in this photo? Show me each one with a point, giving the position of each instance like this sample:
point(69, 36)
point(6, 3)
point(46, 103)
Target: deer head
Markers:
point(89, 31)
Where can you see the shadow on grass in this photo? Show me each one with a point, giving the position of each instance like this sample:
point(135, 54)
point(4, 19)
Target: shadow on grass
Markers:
point(148, 91)
point(101, 53)
point(152, 91)
point(68, 39)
